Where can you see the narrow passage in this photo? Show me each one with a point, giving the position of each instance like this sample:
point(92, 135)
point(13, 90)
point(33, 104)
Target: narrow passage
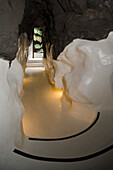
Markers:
point(44, 116)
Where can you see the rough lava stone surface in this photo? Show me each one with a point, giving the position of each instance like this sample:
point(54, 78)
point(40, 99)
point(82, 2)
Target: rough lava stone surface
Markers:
point(11, 13)
point(64, 20)
point(61, 22)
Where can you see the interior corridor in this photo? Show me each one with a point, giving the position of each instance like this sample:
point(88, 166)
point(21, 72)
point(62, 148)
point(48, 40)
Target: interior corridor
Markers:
point(44, 115)
point(58, 139)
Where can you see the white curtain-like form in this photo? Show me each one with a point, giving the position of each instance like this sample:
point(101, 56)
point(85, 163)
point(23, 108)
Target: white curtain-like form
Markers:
point(84, 70)
point(11, 109)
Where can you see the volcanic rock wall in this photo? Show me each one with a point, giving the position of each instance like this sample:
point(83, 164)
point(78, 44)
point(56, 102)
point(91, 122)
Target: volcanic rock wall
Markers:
point(64, 20)
point(61, 22)
point(11, 13)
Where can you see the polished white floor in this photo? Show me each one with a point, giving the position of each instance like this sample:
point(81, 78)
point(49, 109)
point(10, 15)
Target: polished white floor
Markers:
point(44, 115)
point(46, 118)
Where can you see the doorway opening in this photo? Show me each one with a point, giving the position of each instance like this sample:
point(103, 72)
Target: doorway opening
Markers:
point(36, 52)
point(37, 43)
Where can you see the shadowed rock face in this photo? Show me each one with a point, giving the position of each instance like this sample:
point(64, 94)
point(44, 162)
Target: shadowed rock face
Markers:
point(61, 22)
point(64, 20)
point(11, 13)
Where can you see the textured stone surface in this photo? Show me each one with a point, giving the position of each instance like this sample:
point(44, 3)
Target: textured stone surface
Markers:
point(11, 13)
point(61, 22)
point(64, 20)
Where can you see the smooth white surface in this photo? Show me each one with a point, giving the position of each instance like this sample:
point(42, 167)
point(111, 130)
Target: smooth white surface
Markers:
point(98, 137)
point(84, 70)
point(92, 141)
point(38, 55)
point(11, 110)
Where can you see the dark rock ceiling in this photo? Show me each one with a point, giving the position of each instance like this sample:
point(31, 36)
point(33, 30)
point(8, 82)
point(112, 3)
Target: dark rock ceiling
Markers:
point(64, 20)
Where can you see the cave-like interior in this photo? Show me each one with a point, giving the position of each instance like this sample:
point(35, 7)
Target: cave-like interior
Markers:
point(61, 22)
point(67, 91)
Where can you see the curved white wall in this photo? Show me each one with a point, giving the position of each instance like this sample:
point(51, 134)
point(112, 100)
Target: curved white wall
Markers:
point(84, 70)
point(11, 109)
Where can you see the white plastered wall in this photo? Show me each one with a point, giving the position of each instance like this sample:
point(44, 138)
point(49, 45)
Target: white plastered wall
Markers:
point(84, 70)
point(11, 109)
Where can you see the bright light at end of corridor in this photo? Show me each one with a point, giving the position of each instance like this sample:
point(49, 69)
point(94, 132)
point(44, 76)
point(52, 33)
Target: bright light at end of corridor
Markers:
point(33, 69)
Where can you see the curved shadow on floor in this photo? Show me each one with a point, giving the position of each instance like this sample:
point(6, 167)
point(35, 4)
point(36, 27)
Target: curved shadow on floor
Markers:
point(67, 137)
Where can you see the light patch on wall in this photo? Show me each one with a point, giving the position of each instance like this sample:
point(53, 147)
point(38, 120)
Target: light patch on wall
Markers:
point(58, 92)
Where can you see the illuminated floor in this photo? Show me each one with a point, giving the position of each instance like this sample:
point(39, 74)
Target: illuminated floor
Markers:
point(44, 115)
point(88, 147)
